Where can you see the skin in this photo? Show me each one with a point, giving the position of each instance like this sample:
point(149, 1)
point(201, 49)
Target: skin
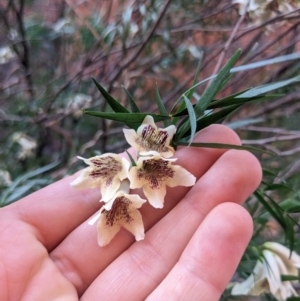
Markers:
point(192, 246)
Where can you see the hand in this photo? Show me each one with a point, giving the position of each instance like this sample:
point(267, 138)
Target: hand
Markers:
point(192, 246)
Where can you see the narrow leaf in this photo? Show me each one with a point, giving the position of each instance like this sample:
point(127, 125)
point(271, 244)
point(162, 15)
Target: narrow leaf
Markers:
point(214, 87)
point(161, 107)
point(223, 146)
point(132, 118)
point(114, 104)
point(133, 105)
point(290, 232)
point(192, 118)
point(215, 117)
point(211, 91)
point(130, 157)
point(290, 278)
point(269, 87)
point(270, 209)
point(190, 93)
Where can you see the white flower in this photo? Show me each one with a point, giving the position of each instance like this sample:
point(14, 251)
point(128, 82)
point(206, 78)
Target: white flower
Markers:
point(105, 171)
point(154, 173)
point(64, 25)
point(266, 276)
point(120, 211)
point(149, 138)
point(243, 5)
point(5, 178)
point(6, 54)
point(76, 103)
point(27, 144)
point(263, 10)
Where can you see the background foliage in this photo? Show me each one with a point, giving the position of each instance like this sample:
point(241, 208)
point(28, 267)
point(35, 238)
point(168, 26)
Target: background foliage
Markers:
point(53, 49)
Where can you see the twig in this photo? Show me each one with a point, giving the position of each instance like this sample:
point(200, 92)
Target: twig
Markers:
point(229, 41)
point(143, 45)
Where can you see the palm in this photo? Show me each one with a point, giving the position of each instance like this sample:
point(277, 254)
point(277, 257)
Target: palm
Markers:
point(49, 252)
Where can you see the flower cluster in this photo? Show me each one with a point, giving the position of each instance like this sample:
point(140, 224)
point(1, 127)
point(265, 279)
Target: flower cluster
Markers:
point(152, 171)
point(263, 10)
point(277, 260)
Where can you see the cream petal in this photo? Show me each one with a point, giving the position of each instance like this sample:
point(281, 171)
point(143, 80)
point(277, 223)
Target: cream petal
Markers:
point(108, 191)
point(284, 253)
point(251, 286)
point(135, 181)
point(131, 136)
point(181, 177)
point(154, 174)
point(105, 171)
point(149, 120)
point(155, 196)
point(136, 228)
point(148, 137)
point(272, 272)
point(119, 212)
point(106, 233)
point(84, 181)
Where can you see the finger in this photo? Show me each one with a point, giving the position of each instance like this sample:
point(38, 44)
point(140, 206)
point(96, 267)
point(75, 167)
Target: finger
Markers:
point(145, 264)
point(58, 209)
point(210, 258)
point(78, 255)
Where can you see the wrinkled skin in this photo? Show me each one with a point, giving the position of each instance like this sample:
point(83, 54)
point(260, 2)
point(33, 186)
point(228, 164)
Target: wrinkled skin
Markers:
point(192, 246)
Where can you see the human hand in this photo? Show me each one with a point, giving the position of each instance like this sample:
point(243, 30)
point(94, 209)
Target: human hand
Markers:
point(190, 252)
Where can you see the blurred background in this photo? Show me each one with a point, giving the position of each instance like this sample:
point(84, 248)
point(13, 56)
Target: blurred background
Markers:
point(49, 50)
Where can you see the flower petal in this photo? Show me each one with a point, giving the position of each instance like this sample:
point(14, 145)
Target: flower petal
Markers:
point(121, 211)
point(105, 171)
point(106, 233)
point(149, 138)
point(154, 174)
point(285, 253)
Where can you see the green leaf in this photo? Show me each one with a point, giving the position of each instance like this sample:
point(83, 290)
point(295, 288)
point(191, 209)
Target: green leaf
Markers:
point(276, 215)
point(290, 232)
point(130, 157)
point(192, 118)
point(275, 60)
point(114, 104)
point(132, 118)
point(133, 105)
point(210, 92)
point(294, 209)
point(214, 117)
point(277, 187)
point(190, 93)
point(161, 107)
point(269, 87)
point(21, 179)
point(290, 278)
point(233, 101)
point(223, 146)
point(214, 87)
point(244, 122)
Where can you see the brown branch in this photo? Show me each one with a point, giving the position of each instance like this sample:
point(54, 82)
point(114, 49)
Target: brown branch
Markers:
point(142, 46)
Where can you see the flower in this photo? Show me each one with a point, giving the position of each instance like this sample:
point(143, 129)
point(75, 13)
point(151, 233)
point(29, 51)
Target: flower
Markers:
point(243, 5)
point(120, 211)
point(5, 178)
point(27, 144)
point(264, 10)
point(6, 54)
point(76, 103)
point(105, 171)
point(149, 138)
point(266, 276)
point(154, 173)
